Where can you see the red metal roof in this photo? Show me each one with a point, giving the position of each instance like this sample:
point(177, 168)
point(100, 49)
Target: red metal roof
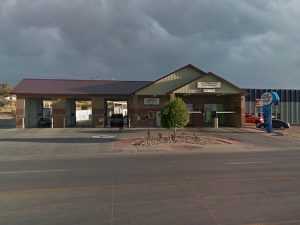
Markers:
point(77, 87)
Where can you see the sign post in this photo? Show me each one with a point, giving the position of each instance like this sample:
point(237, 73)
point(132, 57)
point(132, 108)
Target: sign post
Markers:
point(268, 99)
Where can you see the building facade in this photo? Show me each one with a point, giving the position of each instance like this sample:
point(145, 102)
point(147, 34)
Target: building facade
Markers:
point(207, 96)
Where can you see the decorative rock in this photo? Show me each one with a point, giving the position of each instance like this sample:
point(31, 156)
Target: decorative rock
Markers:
point(200, 140)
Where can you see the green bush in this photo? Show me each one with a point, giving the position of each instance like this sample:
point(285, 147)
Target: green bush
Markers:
point(174, 115)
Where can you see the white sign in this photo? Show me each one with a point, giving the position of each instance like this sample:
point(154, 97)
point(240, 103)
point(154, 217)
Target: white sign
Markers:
point(210, 84)
point(267, 98)
point(151, 101)
point(209, 90)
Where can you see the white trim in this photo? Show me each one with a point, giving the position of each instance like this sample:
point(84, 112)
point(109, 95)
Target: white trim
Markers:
point(225, 112)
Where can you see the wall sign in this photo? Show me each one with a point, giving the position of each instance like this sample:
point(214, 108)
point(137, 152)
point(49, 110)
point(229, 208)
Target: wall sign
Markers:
point(210, 84)
point(209, 90)
point(151, 101)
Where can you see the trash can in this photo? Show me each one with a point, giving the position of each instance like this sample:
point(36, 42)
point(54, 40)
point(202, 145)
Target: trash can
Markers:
point(216, 122)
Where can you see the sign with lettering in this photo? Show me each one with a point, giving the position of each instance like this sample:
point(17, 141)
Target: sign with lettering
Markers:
point(209, 85)
point(151, 101)
point(268, 99)
point(209, 90)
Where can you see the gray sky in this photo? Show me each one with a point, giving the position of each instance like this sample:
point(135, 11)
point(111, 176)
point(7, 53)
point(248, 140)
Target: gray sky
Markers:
point(252, 43)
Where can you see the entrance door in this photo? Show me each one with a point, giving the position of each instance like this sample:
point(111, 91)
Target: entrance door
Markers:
point(158, 119)
point(190, 109)
point(70, 112)
point(210, 112)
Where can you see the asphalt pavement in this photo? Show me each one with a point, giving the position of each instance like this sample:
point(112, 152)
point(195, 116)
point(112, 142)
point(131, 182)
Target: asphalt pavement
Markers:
point(153, 188)
point(79, 176)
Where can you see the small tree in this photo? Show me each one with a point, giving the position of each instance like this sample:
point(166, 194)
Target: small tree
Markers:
point(174, 115)
point(5, 90)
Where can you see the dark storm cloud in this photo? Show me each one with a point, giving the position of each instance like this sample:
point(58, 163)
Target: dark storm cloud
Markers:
point(251, 43)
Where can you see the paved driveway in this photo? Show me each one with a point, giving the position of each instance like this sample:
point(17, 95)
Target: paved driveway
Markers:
point(73, 142)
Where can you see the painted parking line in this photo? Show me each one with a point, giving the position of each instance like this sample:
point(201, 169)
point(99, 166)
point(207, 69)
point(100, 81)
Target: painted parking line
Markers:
point(245, 163)
point(32, 171)
point(103, 136)
point(53, 190)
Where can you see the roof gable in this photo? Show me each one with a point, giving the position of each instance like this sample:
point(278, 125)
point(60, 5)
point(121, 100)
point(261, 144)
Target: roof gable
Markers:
point(225, 86)
point(171, 81)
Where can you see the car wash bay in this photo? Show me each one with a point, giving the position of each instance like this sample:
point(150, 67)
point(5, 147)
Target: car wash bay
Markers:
point(68, 112)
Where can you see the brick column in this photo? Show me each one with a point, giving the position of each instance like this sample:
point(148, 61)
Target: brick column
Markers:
point(237, 104)
point(242, 111)
point(59, 112)
point(98, 110)
point(20, 112)
point(133, 111)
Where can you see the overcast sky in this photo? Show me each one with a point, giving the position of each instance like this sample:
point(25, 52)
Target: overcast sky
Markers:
point(252, 43)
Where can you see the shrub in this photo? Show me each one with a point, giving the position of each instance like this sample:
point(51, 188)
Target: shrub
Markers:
point(174, 115)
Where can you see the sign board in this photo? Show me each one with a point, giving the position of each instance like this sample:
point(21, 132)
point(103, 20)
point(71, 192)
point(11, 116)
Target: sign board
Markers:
point(151, 101)
point(210, 84)
point(209, 90)
point(267, 98)
point(258, 102)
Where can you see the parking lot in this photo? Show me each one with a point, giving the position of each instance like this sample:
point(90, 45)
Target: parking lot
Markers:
point(80, 176)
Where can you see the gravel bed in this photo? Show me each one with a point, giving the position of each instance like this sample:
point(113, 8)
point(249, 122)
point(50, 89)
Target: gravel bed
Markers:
point(200, 140)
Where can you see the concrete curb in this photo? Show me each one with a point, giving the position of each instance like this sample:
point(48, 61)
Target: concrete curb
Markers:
point(130, 143)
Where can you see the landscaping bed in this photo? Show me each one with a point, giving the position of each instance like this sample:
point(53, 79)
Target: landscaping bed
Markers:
point(200, 140)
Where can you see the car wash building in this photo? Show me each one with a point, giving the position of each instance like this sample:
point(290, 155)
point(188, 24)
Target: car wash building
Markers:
point(207, 96)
